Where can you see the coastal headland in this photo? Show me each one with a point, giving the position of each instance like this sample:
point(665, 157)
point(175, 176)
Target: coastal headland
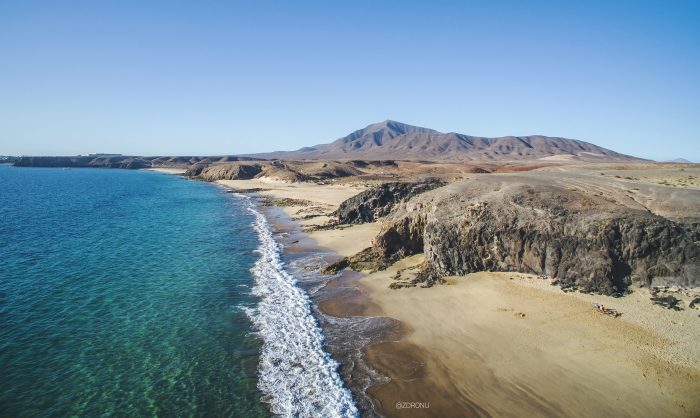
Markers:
point(509, 343)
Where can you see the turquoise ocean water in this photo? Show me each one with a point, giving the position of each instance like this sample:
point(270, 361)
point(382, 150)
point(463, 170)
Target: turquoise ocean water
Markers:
point(124, 293)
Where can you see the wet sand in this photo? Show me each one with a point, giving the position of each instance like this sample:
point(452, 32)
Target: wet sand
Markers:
point(341, 305)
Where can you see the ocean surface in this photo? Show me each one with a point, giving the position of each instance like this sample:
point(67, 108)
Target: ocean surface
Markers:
point(134, 293)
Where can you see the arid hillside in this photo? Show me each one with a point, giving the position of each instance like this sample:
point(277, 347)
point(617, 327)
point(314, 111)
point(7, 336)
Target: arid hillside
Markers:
point(399, 141)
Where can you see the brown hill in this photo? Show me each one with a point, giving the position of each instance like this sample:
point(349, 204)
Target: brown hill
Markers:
point(395, 140)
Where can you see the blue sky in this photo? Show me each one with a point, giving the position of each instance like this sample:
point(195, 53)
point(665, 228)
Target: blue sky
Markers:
point(227, 77)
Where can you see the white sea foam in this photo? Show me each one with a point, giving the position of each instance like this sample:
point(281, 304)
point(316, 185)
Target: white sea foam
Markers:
point(296, 375)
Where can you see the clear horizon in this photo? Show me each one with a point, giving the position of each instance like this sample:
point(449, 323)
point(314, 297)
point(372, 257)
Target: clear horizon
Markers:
point(162, 78)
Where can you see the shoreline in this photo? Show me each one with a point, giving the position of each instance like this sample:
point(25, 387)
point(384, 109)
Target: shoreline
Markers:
point(437, 354)
point(165, 170)
point(295, 373)
point(338, 302)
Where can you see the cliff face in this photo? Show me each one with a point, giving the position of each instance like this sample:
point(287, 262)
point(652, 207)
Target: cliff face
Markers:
point(224, 171)
point(378, 201)
point(586, 241)
point(287, 171)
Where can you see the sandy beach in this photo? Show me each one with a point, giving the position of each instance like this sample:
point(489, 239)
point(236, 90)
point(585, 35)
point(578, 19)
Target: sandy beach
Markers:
point(507, 344)
point(304, 199)
point(166, 170)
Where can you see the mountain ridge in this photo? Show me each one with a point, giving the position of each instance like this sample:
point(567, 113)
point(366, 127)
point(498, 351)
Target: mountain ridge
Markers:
point(391, 139)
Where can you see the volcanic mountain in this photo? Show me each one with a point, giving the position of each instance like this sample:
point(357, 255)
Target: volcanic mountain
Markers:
point(399, 141)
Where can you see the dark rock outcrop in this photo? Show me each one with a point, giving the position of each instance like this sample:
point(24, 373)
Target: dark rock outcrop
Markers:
point(53, 162)
point(373, 163)
point(586, 241)
point(378, 201)
point(366, 260)
point(287, 171)
point(195, 170)
point(233, 171)
point(321, 171)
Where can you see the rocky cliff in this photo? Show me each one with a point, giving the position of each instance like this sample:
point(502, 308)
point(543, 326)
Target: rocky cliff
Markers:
point(590, 241)
point(378, 201)
point(287, 171)
point(242, 171)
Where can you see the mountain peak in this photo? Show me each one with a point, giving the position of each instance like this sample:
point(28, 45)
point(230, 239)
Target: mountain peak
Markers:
point(395, 127)
point(379, 132)
point(389, 124)
point(390, 139)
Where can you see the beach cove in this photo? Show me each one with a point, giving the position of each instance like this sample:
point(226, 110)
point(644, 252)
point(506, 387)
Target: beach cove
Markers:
point(500, 344)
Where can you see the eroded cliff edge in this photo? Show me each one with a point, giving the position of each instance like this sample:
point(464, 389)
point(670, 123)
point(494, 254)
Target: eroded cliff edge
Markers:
point(595, 239)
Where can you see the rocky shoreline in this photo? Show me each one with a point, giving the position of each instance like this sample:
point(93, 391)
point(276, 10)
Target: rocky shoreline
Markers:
point(410, 365)
point(589, 243)
point(383, 227)
point(594, 238)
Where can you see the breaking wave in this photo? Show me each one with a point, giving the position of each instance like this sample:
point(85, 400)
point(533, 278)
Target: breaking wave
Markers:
point(297, 377)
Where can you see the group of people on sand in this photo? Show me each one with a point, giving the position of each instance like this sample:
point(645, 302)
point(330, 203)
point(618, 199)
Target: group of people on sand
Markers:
point(607, 311)
point(543, 276)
